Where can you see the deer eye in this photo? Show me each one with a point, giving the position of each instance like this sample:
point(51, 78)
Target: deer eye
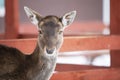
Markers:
point(40, 32)
point(60, 32)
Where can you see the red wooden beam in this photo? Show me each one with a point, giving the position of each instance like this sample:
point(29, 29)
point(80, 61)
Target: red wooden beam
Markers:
point(115, 29)
point(70, 43)
point(97, 74)
point(115, 17)
point(91, 43)
point(25, 45)
point(11, 19)
point(73, 67)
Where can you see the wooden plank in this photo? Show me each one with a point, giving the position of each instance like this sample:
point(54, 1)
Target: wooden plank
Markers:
point(70, 43)
point(115, 17)
point(91, 43)
point(97, 74)
point(25, 45)
point(11, 19)
point(115, 29)
point(73, 67)
point(115, 58)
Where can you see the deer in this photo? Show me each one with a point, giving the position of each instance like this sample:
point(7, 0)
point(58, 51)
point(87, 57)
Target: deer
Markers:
point(41, 63)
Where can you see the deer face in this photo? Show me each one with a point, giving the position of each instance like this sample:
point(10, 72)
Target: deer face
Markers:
point(51, 33)
point(50, 29)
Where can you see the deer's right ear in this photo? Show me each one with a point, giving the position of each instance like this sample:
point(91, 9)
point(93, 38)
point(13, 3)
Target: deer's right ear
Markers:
point(32, 15)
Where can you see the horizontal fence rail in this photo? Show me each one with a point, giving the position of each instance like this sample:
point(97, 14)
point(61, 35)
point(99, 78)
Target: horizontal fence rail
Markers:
point(70, 43)
point(97, 74)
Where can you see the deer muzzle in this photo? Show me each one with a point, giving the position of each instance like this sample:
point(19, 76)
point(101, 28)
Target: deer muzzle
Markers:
point(50, 51)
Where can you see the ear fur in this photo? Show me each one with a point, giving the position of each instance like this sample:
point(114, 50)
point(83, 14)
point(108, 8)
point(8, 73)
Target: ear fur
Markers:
point(68, 18)
point(32, 15)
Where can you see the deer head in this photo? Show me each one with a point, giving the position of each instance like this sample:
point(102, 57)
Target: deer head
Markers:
point(50, 29)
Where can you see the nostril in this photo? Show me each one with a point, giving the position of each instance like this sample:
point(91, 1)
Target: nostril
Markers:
point(50, 51)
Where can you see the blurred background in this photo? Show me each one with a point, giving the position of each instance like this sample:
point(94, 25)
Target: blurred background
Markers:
point(92, 15)
point(92, 43)
point(93, 18)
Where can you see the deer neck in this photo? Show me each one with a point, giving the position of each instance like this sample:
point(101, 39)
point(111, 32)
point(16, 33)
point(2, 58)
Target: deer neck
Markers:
point(41, 63)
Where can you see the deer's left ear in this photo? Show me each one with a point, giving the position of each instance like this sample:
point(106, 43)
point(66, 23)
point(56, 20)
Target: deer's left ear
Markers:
point(32, 15)
point(68, 18)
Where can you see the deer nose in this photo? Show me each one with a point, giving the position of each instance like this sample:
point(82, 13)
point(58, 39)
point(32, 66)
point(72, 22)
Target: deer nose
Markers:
point(50, 51)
